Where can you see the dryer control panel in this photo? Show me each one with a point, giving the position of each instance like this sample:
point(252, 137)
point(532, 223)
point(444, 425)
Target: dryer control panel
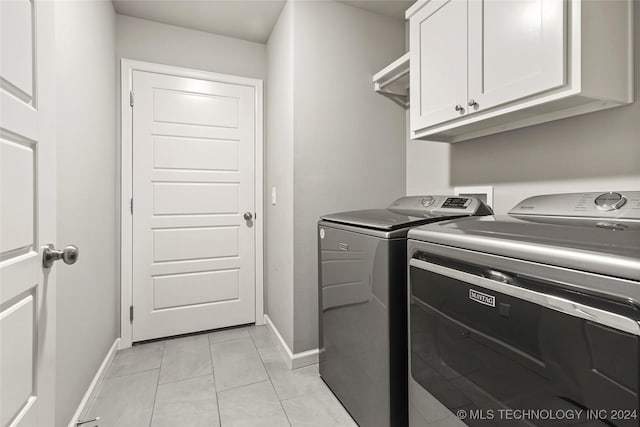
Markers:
point(614, 204)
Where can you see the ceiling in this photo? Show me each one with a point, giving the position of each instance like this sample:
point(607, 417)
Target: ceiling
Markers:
point(250, 20)
point(392, 8)
point(241, 19)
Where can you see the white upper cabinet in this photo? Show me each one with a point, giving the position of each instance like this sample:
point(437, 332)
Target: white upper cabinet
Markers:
point(516, 49)
point(439, 73)
point(485, 66)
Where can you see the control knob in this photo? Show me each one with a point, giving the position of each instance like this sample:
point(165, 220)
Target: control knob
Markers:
point(427, 201)
point(610, 201)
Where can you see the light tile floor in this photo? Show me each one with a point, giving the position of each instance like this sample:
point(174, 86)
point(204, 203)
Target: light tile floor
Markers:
point(232, 377)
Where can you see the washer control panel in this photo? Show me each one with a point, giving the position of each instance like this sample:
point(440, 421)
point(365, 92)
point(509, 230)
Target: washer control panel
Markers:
point(613, 204)
point(439, 205)
point(457, 202)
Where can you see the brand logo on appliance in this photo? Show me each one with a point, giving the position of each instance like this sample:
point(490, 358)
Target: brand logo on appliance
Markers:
point(485, 299)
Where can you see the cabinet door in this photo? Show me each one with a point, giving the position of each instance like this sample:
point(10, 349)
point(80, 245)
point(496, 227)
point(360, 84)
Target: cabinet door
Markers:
point(438, 45)
point(516, 49)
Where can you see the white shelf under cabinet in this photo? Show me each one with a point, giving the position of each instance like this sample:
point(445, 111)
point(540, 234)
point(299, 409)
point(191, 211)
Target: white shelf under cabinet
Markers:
point(393, 81)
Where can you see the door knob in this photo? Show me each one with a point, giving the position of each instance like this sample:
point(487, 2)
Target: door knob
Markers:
point(50, 254)
point(248, 216)
point(459, 108)
point(472, 103)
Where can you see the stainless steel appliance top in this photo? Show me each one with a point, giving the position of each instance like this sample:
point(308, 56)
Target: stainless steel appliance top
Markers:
point(592, 232)
point(411, 211)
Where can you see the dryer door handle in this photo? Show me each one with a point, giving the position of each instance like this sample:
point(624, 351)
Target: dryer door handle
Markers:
point(552, 302)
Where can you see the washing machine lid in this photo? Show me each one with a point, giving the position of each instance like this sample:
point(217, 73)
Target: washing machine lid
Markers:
point(378, 219)
point(411, 211)
point(579, 236)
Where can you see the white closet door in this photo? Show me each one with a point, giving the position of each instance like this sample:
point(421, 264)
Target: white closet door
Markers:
point(193, 181)
point(516, 49)
point(27, 213)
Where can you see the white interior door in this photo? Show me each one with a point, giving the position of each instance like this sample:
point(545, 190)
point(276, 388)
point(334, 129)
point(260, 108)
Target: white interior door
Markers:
point(516, 49)
point(193, 181)
point(27, 213)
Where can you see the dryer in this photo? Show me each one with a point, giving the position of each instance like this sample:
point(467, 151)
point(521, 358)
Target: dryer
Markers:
point(530, 318)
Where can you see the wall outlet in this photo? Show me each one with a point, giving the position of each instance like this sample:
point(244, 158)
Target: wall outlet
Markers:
point(273, 196)
point(484, 193)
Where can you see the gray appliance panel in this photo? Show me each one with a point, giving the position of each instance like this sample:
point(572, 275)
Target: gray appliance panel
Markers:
point(400, 233)
point(572, 279)
point(622, 205)
point(517, 348)
point(361, 301)
point(579, 245)
point(411, 211)
point(381, 219)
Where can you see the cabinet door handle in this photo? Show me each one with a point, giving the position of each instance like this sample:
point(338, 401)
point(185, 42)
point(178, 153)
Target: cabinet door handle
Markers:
point(459, 108)
point(473, 103)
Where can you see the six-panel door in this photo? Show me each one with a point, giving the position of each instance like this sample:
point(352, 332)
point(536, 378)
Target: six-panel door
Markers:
point(27, 213)
point(193, 179)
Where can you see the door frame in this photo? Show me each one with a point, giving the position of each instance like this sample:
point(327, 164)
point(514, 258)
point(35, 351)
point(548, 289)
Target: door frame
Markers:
point(127, 67)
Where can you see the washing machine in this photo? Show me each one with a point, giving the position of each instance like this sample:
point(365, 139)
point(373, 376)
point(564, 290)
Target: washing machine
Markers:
point(530, 318)
point(363, 302)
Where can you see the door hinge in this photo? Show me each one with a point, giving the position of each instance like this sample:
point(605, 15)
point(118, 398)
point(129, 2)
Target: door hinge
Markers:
point(131, 313)
point(131, 98)
point(131, 205)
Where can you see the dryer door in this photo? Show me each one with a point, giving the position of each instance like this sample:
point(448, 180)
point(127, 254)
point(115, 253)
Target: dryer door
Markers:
point(496, 348)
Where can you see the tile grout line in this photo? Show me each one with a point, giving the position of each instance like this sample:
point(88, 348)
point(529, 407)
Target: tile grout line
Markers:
point(271, 383)
point(209, 334)
point(254, 341)
point(133, 373)
point(187, 378)
point(284, 411)
point(215, 385)
point(280, 401)
point(273, 339)
point(246, 385)
point(155, 395)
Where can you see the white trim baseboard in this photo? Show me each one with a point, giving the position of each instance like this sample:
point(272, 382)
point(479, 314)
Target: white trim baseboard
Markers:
point(304, 358)
point(97, 380)
point(295, 360)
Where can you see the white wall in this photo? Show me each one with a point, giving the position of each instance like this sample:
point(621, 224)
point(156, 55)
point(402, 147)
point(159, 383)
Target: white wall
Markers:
point(86, 126)
point(279, 174)
point(349, 150)
point(594, 152)
point(170, 45)
point(332, 144)
point(428, 166)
